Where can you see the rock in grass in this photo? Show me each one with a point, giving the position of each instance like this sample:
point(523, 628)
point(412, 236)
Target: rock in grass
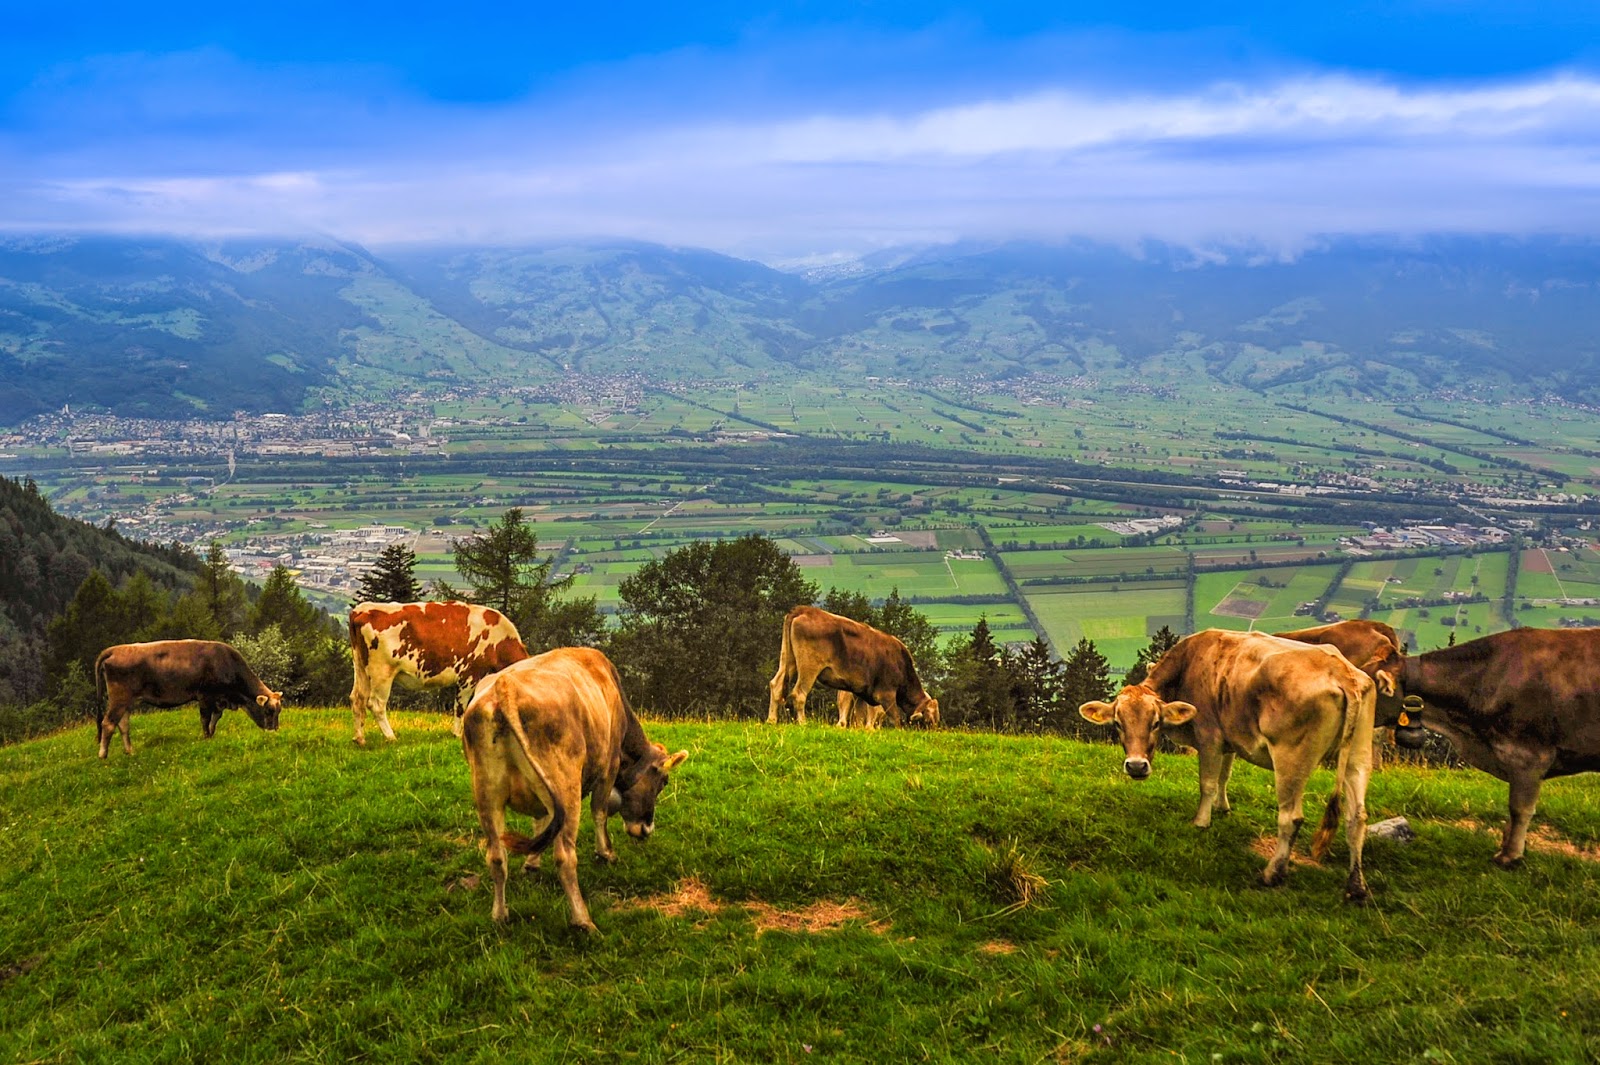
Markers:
point(1397, 829)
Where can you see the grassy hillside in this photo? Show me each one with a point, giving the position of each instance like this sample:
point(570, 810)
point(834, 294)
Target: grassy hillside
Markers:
point(287, 896)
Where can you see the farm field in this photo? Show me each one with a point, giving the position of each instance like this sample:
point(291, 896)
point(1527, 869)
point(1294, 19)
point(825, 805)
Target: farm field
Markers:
point(1262, 600)
point(835, 911)
point(609, 484)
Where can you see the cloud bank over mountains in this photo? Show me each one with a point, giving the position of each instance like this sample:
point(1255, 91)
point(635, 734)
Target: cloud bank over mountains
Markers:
point(205, 143)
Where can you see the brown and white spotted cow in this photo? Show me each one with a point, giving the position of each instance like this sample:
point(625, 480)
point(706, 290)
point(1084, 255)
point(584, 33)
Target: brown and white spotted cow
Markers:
point(169, 673)
point(1276, 703)
point(424, 645)
point(873, 668)
point(541, 735)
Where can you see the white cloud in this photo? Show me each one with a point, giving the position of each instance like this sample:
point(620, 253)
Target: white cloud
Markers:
point(1278, 164)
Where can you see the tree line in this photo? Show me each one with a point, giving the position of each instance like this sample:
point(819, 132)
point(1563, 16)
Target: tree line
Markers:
point(696, 634)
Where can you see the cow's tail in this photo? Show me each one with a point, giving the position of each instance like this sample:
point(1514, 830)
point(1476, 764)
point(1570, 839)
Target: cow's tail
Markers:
point(516, 842)
point(1351, 734)
point(788, 668)
point(100, 687)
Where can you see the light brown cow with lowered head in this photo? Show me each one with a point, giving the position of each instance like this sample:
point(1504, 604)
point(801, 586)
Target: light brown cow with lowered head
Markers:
point(540, 735)
point(429, 645)
point(1276, 703)
point(872, 666)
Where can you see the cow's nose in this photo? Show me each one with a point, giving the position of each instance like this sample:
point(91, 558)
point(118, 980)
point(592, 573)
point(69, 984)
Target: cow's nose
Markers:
point(1137, 768)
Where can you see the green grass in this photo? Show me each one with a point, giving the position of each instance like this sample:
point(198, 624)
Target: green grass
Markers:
point(287, 897)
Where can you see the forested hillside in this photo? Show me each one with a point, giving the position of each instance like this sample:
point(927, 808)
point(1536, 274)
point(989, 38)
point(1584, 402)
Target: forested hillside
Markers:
point(167, 328)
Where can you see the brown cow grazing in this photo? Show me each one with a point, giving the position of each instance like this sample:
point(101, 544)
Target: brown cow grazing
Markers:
point(1522, 705)
point(539, 736)
point(425, 645)
point(1276, 703)
point(171, 673)
point(836, 652)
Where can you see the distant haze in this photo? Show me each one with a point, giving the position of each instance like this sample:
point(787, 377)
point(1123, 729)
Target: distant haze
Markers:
point(797, 138)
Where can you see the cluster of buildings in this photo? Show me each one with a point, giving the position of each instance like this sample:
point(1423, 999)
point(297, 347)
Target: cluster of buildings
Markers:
point(1411, 537)
point(332, 561)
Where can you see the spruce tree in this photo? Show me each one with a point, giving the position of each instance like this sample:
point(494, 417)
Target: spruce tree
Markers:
point(1085, 677)
point(222, 591)
point(393, 579)
point(1162, 642)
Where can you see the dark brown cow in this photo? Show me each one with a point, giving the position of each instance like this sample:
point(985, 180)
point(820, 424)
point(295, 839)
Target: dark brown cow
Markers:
point(430, 645)
point(1276, 703)
point(1522, 705)
point(847, 656)
point(171, 673)
point(539, 736)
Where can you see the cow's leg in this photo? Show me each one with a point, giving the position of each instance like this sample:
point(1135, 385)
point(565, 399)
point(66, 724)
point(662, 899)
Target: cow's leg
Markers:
point(874, 717)
point(492, 816)
point(1525, 784)
point(890, 705)
point(566, 856)
point(1354, 785)
point(1211, 761)
point(108, 727)
point(378, 702)
point(776, 691)
point(209, 716)
point(1223, 806)
point(846, 708)
point(599, 802)
point(115, 721)
point(1291, 774)
point(463, 697)
point(359, 694)
point(803, 683)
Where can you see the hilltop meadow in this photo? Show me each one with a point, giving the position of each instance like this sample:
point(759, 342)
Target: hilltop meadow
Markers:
point(809, 894)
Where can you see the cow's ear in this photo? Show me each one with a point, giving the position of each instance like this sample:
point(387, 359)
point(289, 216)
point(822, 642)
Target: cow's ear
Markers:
point(1385, 681)
point(674, 761)
point(1098, 712)
point(1177, 713)
point(261, 700)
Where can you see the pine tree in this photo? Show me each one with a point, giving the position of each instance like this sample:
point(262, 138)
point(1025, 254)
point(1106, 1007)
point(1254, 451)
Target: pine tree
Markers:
point(1162, 642)
point(222, 591)
point(503, 568)
point(284, 605)
point(1085, 677)
point(1037, 676)
point(393, 579)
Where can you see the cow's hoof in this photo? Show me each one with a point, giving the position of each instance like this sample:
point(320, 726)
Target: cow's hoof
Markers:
point(502, 917)
point(1506, 861)
point(605, 857)
point(360, 741)
point(1274, 877)
point(586, 929)
point(1357, 896)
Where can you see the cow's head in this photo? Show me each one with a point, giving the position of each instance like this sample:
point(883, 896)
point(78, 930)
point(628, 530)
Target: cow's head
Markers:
point(638, 786)
point(1137, 713)
point(264, 710)
point(927, 714)
point(1396, 709)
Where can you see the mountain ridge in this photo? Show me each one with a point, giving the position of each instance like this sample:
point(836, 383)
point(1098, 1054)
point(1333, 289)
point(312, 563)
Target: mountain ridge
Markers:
point(164, 327)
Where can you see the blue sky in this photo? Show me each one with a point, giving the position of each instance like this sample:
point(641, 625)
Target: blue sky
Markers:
point(804, 131)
